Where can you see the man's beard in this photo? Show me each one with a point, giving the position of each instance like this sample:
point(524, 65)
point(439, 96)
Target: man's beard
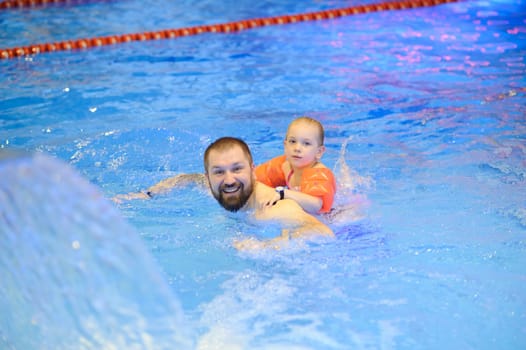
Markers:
point(234, 203)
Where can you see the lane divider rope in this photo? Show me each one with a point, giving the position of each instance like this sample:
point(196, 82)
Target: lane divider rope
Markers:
point(228, 27)
point(14, 4)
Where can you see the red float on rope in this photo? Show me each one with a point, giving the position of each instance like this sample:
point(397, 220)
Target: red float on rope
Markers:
point(86, 43)
point(12, 4)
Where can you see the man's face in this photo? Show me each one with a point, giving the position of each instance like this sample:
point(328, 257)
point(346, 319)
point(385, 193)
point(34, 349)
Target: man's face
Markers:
point(230, 176)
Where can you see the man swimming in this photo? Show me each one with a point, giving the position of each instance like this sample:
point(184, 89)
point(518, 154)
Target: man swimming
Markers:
point(230, 176)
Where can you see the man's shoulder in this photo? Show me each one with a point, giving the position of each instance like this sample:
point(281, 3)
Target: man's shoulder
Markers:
point(283, 209)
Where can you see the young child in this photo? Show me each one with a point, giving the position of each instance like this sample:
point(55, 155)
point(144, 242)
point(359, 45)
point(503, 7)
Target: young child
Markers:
point(299, 174)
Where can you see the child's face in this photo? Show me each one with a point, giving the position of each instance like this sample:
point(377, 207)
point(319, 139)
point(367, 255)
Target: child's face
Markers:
point(302, 147)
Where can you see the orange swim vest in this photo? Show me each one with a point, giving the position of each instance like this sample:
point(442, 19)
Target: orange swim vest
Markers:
point(318, 182)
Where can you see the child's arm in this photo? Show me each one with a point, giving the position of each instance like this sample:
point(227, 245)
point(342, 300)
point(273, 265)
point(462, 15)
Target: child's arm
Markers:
point(311, 204)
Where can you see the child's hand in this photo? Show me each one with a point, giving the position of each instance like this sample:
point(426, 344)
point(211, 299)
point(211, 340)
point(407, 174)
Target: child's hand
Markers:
point(267, 199)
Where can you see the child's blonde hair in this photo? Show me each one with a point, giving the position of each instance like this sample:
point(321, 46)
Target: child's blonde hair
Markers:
point(321, 131)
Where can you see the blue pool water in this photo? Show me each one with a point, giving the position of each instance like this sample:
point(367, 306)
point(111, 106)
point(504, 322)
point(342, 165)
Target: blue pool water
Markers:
point(426, 106)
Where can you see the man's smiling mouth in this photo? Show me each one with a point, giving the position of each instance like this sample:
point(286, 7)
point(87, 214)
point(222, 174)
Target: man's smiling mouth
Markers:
point(231, 189)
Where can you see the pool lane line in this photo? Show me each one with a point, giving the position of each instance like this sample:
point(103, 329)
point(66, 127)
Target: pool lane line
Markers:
point(80, 44)
point(10, 4)
point(17, 4)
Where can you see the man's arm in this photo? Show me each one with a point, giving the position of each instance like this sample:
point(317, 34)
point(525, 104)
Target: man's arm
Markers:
point(293, 218)
point(163, 186)
point(299, 223)
point(295, 222)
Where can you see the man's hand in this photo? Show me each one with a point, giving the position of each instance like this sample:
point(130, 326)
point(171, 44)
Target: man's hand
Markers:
point(130, 196)
point(254, 244)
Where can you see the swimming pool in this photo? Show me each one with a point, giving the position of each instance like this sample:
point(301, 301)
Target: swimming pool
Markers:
point(429, 105)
